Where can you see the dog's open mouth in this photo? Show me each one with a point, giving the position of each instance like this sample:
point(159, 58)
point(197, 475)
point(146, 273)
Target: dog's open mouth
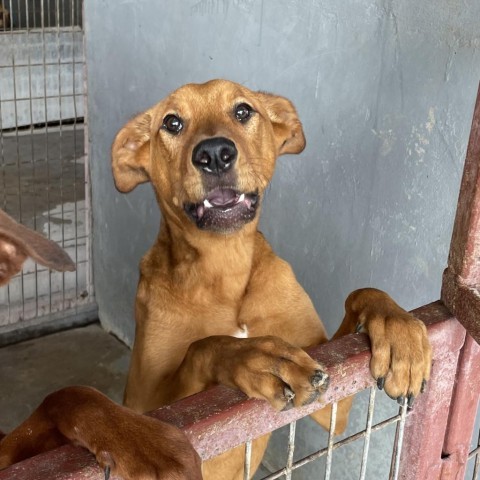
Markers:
point(223, 210)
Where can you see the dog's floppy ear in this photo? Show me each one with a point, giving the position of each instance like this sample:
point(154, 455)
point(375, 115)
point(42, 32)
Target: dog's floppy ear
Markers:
point(286, 124)
point(131, 153)
point(18, 242)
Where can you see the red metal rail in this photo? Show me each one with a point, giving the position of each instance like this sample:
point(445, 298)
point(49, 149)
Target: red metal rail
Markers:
point(221, 418)
point(462, 277)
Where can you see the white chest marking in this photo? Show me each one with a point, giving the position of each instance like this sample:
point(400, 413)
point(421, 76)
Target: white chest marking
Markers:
point(242, 332)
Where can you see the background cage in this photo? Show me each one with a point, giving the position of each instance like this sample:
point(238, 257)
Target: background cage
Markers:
point(43, 160)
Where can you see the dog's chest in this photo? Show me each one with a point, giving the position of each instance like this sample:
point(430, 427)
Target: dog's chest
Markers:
point(241, 332)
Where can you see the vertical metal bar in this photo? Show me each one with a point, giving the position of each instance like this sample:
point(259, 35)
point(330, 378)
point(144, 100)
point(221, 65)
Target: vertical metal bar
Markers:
point(17, 139)
point(368, 431)
point(291, 448)
point(331, 435)
point(88, 200)
point(462, 411)
point(34, 15)
point(463, 269)
point(49, 20)
point(32, 149)
point(47, 160)
point(60, 140)
point(397, 446)
point(4, 173)
point(20, 22)
point(75, 115)
point(248, 459)
point(476, 467)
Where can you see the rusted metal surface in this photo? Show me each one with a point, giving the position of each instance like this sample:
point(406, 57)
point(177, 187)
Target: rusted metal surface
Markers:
point(427, 423)
point(464, 302)
point(462, 412)
point(66, 463)
point(460, 293)
point(462, 277)
point(220, 418)
point(465, 246)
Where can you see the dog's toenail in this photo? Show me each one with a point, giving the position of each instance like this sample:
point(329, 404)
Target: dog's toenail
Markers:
point(411, 399)
point(424, 386)
point(319, 378)
point(401, 400)
point(288, 393)
point(380, 382)
point(107, 472)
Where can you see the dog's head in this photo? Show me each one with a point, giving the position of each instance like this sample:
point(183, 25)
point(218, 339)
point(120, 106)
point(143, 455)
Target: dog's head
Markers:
point(17, 243)
point(209, 150)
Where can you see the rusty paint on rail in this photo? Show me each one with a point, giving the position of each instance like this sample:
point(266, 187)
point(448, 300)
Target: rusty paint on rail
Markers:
point(221, 418)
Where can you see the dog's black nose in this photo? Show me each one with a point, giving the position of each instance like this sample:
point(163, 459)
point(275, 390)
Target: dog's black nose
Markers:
point(214, 155)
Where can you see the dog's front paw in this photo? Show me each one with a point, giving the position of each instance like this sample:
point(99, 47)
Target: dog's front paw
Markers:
point(271, 369)
point(401, 353)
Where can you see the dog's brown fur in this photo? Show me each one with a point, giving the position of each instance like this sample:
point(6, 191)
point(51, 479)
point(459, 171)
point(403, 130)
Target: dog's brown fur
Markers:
point(198, 289)
point(202, 285)
point(17, 243)
point(133, 445)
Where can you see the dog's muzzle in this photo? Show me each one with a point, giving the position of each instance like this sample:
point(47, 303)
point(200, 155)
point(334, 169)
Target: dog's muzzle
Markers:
point(223, 210)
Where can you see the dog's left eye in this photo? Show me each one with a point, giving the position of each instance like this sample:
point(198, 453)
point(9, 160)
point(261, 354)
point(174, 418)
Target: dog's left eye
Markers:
point(243, 112)
point(172, 124)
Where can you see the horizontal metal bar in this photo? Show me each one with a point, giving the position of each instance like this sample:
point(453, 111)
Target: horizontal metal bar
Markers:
point(43, 270)
point(68, 29)
point(206, 418)
point(47, 324)
point(46, 64)
point(43, 97)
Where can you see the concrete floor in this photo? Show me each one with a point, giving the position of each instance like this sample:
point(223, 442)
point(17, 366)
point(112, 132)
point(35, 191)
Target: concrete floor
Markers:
point(31, 370)
point(83, 356)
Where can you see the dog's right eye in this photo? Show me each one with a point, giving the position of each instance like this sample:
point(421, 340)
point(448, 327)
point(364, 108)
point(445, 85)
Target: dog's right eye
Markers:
point(243, 112)
point(172, 124)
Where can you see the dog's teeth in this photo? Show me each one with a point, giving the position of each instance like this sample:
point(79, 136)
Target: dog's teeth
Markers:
point(207, 204)
point(241, 198)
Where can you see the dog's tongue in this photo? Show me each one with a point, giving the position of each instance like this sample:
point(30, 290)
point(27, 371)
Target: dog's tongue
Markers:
point(222, 197)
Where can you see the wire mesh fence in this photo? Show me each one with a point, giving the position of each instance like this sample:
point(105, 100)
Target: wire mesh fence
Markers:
point(42, 150)
point(220, 419)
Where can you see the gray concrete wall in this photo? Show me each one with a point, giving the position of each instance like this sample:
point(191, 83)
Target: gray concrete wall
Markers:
point(385, 91)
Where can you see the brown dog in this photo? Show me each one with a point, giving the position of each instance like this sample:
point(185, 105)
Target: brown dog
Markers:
point(212, 292)
point(214, 303)
point(132, 445)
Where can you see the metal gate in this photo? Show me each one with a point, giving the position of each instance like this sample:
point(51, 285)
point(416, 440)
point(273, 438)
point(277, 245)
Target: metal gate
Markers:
point(43, 161)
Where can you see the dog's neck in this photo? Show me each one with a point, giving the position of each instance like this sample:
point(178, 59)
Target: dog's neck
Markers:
point(190, 256)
